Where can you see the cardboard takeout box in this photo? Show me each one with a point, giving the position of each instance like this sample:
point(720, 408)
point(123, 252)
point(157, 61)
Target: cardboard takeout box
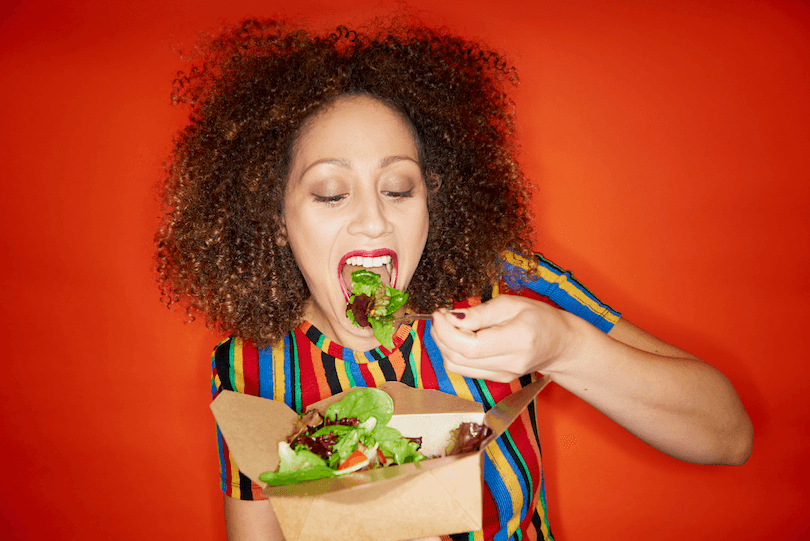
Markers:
point(432, 497)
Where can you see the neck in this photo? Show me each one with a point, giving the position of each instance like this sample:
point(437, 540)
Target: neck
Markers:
point(363, 340)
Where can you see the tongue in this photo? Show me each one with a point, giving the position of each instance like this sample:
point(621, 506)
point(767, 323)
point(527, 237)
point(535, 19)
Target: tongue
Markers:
point(346, 275)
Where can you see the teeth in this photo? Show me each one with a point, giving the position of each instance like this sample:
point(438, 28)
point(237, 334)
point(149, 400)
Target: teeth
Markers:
point(371, 262)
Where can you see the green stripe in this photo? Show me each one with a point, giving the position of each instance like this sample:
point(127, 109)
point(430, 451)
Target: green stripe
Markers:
point(349, 376)
point(231, 368)
point(295, 387)
point(484, 390)
point(417, 374)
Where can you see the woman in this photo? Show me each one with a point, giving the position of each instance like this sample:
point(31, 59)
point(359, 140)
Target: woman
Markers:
point(307, 157)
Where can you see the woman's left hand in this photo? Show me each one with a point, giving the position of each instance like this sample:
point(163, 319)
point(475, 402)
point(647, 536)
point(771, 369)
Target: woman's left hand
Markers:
point(503, 338)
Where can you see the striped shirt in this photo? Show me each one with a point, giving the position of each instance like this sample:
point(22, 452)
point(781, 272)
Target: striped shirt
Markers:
point(306, 367)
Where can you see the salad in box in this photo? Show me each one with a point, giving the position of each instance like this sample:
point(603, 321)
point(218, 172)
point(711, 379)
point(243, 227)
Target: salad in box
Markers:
point(417, 498)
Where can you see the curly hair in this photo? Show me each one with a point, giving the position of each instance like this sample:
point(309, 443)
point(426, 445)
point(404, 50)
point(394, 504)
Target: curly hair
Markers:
point(220, 247)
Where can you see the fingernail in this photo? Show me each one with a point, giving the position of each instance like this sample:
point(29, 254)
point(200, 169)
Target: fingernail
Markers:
point(460, 315)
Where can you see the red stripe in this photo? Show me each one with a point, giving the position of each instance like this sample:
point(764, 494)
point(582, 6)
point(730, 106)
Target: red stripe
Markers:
point(490, 517)
point(250, 368)
point(366, 373)
point(336, 351)
point(308, 355)
point(429, 380)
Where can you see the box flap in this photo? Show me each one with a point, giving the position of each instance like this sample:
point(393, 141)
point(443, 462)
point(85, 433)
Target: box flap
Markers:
point(507, 410)
point(252, 426)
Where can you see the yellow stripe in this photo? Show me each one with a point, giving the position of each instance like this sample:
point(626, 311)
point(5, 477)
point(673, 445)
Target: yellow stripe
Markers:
point(460, 386)
point(376, 373)
point(510, 479)
point(359, 357)
point(343, 378)
point(517, 259)
point(238, 369)
point(416, 355)
point(236, 491)
point(542, 513)
point(279, 383)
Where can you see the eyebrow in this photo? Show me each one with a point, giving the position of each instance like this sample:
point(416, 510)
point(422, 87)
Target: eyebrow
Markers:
point(385, 162)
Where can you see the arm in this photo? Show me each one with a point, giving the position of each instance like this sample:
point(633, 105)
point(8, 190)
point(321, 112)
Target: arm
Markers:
point(663, 395)
point(248, 520)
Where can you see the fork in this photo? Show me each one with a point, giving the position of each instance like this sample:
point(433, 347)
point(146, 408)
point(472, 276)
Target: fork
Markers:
point(409, 318)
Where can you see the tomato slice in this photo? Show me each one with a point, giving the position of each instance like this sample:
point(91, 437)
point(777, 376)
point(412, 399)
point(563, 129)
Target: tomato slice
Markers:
point(353, 459)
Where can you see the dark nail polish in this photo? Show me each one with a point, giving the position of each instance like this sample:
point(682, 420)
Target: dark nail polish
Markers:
point(460, 315)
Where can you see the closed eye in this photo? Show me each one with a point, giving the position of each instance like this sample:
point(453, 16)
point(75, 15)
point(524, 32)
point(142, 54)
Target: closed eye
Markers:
point(329, 199)
point(397, 195)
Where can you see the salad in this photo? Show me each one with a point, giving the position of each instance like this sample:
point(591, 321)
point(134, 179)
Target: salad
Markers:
point(373, 304)
point(351, 435)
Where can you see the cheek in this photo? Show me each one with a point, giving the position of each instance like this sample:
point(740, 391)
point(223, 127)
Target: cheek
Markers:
point(425, 223)
point(299, 238)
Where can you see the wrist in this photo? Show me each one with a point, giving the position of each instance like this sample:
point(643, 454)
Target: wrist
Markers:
point(572, 344)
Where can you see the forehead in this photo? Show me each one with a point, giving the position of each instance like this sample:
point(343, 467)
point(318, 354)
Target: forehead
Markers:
point(354, 127)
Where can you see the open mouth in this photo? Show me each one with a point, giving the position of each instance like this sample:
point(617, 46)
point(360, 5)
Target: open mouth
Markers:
point(382, 262)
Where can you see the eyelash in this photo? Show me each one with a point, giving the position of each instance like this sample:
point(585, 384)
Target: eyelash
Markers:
point(329, 199)
point(333, 200)
point(398, 195)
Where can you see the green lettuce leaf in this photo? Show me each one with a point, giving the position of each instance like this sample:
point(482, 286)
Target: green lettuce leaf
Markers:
point(373, 408)
point(365, 282)
point(385, 301)
point(383, 332)
point(295, 466)
point(361, 404)
point(398, 300)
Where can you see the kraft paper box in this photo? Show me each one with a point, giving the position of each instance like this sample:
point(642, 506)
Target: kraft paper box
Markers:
point(432, 497)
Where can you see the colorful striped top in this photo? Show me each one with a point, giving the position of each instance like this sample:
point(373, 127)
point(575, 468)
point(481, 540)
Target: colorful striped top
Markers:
point(306, 367)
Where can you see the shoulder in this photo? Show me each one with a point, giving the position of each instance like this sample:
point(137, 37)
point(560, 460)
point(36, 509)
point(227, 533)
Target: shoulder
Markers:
point(234, 365)
point(539, 278)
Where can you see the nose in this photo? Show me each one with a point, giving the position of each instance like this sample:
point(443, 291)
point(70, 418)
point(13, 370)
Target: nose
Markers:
point(369, 217)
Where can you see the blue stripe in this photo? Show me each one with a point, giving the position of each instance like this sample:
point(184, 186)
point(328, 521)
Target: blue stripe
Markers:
point(222, 470)
point(437, 361)
point(266, 370)
point(476, 394)
point(518, 470)
point(503, 500)
point(214, 389)
point(353, 372)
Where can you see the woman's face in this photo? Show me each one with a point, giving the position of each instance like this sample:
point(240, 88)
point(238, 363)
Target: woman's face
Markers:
point(355, 198)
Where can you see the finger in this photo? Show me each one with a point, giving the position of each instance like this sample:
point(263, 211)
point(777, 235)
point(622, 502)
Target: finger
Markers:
point(501, 376)
point(458, 340)
point(497, 363)
point(481, 316)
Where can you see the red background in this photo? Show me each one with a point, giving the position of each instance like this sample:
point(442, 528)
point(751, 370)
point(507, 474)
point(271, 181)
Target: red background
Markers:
point(669, 144)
